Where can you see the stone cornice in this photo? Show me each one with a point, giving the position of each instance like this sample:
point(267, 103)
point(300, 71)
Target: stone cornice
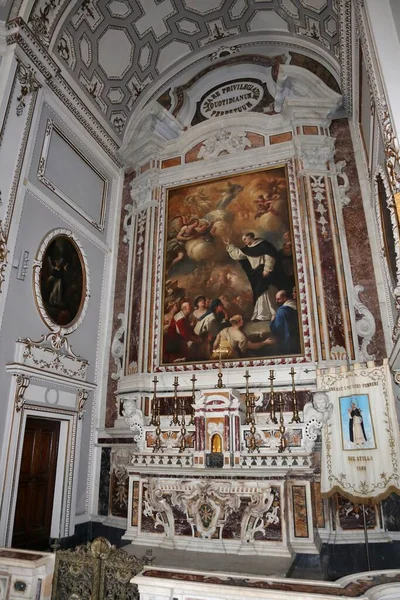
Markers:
point(20, 35)
point(3, 34)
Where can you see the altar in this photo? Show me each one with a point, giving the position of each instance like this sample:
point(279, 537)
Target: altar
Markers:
point(221, 477)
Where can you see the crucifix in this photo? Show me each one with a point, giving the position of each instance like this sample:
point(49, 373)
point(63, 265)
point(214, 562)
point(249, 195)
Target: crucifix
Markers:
point(220, 351)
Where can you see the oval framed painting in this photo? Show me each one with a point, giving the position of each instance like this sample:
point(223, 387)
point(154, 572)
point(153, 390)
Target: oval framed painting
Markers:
point(61, 281)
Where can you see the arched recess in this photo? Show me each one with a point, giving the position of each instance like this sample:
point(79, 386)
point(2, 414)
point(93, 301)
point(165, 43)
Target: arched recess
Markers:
point(167, 155)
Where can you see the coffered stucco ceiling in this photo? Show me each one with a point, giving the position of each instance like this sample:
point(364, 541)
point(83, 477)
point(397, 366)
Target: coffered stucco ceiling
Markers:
point(115, 49)
point(119, 50)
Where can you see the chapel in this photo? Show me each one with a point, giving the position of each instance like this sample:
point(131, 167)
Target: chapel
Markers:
point(199, 298)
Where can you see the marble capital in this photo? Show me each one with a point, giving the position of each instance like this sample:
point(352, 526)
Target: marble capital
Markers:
point(143, 190)
point(314, 153)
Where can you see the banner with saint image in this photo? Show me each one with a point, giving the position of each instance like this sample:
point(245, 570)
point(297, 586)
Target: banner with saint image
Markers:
point(360, 440)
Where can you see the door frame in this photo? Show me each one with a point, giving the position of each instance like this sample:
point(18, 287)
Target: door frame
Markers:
point(62, 525)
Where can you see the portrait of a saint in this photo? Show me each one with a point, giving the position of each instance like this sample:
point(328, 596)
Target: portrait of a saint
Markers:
point(62, 281)
point(356, 422)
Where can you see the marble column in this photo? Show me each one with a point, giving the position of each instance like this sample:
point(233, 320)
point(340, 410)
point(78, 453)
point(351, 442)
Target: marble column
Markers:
point(145, 195)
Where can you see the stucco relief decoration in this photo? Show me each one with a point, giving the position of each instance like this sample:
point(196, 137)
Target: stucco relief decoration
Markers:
point(316, 413)
point(118, 347)
point(143, 190)
point(315, 158)
point(22, 383)
point(28, 82)
point(365, 324)
point(61, 282)
point(208, 506)
point(345, 185)
point(53, 353)
point(319, 197)
point(82, 399)
point(230, 142)
point(128, 224)
point(3, 254)
point(133, 417)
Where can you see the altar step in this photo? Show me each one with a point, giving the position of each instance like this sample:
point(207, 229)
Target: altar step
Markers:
point(271, 566)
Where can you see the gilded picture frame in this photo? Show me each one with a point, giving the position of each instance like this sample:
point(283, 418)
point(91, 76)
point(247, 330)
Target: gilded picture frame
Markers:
point(203, 228)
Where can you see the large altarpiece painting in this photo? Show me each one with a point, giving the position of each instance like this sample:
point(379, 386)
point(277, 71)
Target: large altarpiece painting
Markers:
point(229, 270)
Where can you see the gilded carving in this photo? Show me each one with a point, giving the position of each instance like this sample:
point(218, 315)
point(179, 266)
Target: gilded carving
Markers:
point(22, 383)
point(29, 85)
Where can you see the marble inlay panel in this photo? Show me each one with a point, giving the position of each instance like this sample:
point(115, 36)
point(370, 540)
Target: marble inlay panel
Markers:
point(300, 511)
point(360, 254)
point(104, 484)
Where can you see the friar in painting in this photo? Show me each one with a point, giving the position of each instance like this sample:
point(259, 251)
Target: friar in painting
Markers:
point(258, 259)
point(356, 425)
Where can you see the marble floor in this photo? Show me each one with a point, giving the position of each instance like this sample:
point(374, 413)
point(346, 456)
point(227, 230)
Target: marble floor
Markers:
point(272, 566)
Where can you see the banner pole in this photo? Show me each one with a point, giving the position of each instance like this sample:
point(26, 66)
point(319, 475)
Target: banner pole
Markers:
point(366, 538)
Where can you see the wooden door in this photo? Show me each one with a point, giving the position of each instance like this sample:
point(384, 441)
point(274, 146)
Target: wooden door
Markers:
point(37, 477)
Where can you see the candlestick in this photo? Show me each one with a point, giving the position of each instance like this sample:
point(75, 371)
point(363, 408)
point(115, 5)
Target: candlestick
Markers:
point(251, 440)
point(272, 397)
point(247, 399)
point(155, 417)
point(182, 444)
point(175, 414)
point(282, 429)
point(154, 403)
point(295, 417)
point(193, 380)
point(220, 350)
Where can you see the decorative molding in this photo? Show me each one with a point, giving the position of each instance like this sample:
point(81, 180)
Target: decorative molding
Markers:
point(318, 190)
point(82, 399)
point(3, 254)
point(224, 140)
point(118, 347)
point(223, 52)
point(345, 186)
point(70, 463)
point(391, 290)
point(315, 158)
point(346, 53)
point(20, 158)
point(22, 383)
point(390, 141)
point(41, 17)
point(20, 34)
point(365, 327)
point(208, 504)
point(53, 353)
point(128, 224)
point(28, 82)
point(42, 177)
point(59, 330)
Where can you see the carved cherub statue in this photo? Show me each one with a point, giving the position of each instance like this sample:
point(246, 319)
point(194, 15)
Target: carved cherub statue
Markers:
point(316, 413)
point(134, 419)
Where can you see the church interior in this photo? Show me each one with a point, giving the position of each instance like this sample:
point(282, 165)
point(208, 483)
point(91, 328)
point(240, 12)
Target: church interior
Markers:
point(199, 299)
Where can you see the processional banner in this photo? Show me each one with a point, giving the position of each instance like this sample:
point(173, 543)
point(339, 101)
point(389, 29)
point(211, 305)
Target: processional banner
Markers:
point(360, 440)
